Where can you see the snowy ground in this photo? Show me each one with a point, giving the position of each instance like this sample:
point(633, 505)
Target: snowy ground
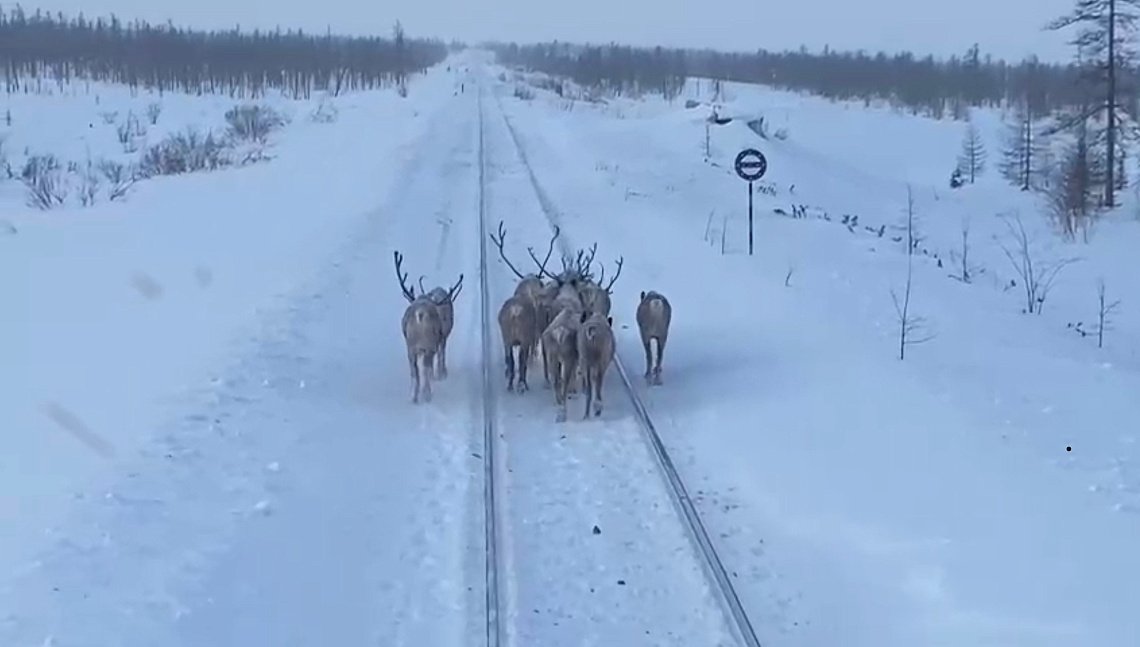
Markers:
point(862, 500)
point(127, 313)
point(250, 469)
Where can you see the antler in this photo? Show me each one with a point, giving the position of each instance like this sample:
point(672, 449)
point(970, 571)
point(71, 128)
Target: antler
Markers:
point(582, 263)
point(502, 254)
point(422, 290)
point(610, 285)
point(409, 294)
point(542, 266)
point(455, 289)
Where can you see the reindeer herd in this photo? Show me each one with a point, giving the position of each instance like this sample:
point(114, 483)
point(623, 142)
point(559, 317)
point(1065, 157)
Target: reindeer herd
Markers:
point(564, 318)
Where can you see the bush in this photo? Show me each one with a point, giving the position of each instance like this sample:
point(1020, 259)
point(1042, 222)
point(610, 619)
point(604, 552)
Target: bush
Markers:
point(253, 122)
point(43, 177)
point(185, 152)
point(120, 178)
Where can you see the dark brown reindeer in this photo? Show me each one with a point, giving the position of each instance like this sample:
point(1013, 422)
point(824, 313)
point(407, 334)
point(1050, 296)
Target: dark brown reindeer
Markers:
point(423, 333)
point(444, 300)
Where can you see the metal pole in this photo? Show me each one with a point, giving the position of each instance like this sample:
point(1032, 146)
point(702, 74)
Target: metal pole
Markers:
point(750, 218)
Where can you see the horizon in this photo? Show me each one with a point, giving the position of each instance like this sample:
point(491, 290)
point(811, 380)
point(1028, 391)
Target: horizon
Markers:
point(887, 26)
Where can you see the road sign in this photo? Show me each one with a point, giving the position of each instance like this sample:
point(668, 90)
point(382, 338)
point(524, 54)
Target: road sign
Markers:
point(751, 165)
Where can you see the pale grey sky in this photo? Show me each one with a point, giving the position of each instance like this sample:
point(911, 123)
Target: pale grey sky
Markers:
point(1005, 28)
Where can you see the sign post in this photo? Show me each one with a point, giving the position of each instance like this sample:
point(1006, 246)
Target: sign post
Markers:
point(751, 165)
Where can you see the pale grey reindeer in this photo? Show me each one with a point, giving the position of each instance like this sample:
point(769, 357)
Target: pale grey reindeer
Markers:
point(654, 313)
point(567, 295)
point(560, 354)
point(444, 300)
point(595, 353)
point(530, 286)
point(517, 325)
point(423, 333)
point(595, 296)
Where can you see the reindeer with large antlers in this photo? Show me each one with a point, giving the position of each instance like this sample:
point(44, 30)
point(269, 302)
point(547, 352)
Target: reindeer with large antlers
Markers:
point(423, 333)
point(595, 296)
point(444, 300)
point(530, 286)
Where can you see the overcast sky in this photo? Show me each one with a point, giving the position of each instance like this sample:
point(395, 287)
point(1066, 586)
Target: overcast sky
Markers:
point(1008, 29)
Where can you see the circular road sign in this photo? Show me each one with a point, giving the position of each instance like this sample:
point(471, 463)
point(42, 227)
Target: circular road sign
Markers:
point(751, 165)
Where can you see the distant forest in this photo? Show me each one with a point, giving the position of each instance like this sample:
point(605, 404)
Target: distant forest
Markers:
point(926, 86)
point(40, 49)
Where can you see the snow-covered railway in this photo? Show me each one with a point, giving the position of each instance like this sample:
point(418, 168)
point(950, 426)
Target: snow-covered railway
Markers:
point(591, 535)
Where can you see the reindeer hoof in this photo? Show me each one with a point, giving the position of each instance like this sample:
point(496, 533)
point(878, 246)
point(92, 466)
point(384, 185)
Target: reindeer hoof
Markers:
point(427, 396)
point(510, 388)
point(560, 416)
point(523, 387)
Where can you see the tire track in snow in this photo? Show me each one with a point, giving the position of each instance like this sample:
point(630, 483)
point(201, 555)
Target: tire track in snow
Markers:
point(592, 551)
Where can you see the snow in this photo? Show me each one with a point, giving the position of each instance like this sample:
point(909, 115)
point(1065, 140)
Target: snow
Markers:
point(211, 437)
point(861, 500)
point(637, 580)
point(227, 250)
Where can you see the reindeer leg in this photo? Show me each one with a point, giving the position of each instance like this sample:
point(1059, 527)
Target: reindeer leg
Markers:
point(560, 390)
point(510, 359)
point(546, 366)
point(660, 356)
point(589, 387)
point(429, 374)
point(443, 359)
point(648, 344)
point(524, 363)
point(598, 385)
point(413, 362)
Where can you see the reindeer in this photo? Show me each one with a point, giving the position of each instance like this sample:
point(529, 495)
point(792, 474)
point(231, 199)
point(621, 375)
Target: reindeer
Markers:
point(653, 316)
point(423, 334)
point(595, 353)
point(565, 291)
point(517, 325)
point(530, 286)
point(595, 297)
point(560, 354)
point(444, 300)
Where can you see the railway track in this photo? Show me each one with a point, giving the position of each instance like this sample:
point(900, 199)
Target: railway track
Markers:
point(584, 546)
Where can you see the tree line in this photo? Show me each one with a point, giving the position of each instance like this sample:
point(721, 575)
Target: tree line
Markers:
point(925, 86)
point(41, 48)
point(1069, 125)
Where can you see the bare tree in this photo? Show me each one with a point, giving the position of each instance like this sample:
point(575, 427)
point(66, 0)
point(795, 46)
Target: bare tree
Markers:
point(1037, 275)
point(1104, 313)
point(972, 161)
point(909, 324)
point(1104, 41)
point(966, 269)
